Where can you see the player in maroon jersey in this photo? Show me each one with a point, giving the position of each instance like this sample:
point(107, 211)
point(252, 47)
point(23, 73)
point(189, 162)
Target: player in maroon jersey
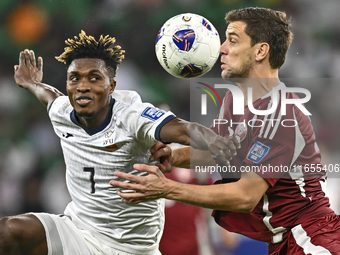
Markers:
point(276, 195)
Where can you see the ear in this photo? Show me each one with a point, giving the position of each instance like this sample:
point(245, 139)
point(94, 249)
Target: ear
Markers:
point(262, 51)
point(112, 86)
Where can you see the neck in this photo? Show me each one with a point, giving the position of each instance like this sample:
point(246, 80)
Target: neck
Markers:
point(261, 82)
point(95, 119)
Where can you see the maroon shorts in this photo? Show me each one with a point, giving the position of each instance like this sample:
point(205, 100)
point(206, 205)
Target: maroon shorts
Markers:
point(319, 236)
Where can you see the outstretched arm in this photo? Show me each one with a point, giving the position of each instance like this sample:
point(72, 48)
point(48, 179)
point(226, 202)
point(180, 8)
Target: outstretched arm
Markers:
point(239, 196)
point(28, 74)
point(209, 148)
point(184, 157)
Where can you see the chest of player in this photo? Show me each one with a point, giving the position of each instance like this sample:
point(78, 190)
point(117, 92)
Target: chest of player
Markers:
point(92, 160)
point(238, 126)
point(103, 148)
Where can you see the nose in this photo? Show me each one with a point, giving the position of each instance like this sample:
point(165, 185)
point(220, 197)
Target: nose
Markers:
point(224, 48)
point(83, 86)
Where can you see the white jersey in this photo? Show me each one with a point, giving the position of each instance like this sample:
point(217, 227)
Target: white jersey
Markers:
point(93, 155)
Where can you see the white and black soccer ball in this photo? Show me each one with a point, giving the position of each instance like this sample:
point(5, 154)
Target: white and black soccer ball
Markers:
point(187, 45)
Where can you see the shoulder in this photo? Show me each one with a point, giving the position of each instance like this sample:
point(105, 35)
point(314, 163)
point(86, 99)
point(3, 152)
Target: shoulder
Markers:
point(228, 98)
point(129, 108)
point(227, 104)
point(280, 123)
point(59, 103)
point(129, 102)
point(126, 96)
point(60, 108)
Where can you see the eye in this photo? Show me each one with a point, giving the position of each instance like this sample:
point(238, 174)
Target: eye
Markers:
point(94, 78)
point(73, 78)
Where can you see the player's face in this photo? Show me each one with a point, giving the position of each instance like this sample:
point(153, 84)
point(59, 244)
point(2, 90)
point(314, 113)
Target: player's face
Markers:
point(236, 52)
point(89, 88)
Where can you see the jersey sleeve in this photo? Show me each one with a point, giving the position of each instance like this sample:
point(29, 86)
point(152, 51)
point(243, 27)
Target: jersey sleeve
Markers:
point(58, 107)
point(144, 121)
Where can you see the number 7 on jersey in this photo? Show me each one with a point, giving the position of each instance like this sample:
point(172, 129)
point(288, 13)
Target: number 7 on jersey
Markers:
point(91, 170)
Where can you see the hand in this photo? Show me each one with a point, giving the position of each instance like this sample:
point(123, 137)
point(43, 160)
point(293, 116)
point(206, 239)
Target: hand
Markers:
point(150, 187)
point(163, 153)
point(223, 149)
point(28, 71)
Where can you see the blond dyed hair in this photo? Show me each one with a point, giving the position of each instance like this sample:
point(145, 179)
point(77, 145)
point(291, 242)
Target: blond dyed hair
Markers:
point(86, 46)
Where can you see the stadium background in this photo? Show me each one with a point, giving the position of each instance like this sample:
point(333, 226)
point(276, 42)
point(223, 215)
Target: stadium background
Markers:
point(31, 164)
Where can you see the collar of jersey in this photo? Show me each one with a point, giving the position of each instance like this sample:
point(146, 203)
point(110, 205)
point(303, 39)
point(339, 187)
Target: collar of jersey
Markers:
point(92, 131)
point(280, 86)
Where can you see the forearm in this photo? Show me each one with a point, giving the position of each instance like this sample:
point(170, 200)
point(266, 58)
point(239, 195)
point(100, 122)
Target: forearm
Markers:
point(201, 137)
point(187, 157)
point(221, 149)
point(181, 157)
point(44, 92)
point(186, 133)
point(239, 196)
point(226, 197)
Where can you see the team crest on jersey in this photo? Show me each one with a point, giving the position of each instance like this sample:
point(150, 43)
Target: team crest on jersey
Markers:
point(152, 113)
point(258, 152)
point(109, 142)
point(241, 131)
point(109, 133)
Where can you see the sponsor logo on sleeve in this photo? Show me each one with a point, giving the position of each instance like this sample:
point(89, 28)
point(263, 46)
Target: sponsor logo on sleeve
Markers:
point(152, 113)
point(258, 152)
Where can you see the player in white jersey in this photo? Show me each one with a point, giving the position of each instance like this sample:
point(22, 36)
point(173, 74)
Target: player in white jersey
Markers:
point(101, 131)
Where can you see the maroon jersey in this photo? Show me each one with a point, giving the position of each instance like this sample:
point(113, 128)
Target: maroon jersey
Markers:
point(282, 150)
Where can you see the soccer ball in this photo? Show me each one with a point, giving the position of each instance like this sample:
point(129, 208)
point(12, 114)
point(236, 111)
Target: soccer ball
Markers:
point(187, 45)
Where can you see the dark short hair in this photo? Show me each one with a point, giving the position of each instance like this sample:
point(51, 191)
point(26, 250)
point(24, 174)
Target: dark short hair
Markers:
point(266, 25)
point(86, 46)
